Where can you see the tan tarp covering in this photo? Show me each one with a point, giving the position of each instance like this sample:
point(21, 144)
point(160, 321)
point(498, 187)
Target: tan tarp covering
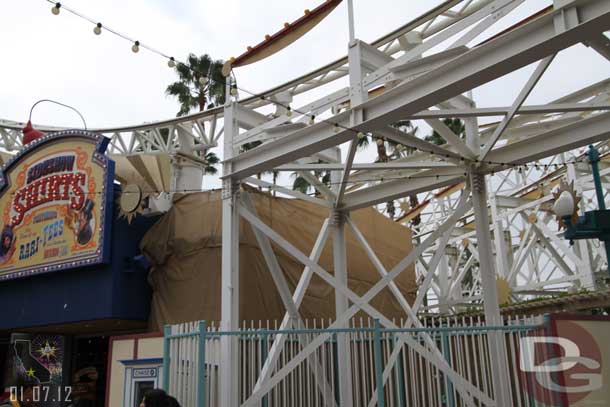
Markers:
point(185, 249)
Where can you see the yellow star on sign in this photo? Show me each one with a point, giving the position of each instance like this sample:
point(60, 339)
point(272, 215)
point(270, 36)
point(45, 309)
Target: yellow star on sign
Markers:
point(30, 372)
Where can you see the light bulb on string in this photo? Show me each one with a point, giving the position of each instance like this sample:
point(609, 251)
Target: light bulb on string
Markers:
point(312, 120)
point(288, 111)
point(55, 9)
point(379, 141)
point(203, 80)
point(97, 30)
point(361, 135)
point(233, 90)
point(336, 129)
point(172, 62)
point(135, 47)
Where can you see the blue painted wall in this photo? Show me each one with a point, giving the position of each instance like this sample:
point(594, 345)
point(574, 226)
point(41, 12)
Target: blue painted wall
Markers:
point(114, 290)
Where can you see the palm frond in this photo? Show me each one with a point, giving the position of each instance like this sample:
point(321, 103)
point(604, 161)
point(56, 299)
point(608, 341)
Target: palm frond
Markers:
point(300, 184)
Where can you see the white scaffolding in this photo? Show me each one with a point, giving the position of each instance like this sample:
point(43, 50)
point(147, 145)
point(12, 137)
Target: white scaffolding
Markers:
point(425, 71)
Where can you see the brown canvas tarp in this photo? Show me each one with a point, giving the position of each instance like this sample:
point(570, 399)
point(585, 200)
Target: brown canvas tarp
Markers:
point(184, 247)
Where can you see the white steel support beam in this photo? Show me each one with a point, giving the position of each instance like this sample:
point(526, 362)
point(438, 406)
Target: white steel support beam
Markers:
point(553, 253)
point(525, 92)
point(445, 231)
point(274, 268)
point(299, 294)
point(438, 39)
point(395, 165)
point(496, 341)
point(571, 136)
point(601, 44)
point(452, 138)
point(499, 239)
point(529, 110)
point(356, 59)
point(463, 387)
point(443, 282)
point(410, 140)
point(509, 52)
point(383, 272)
point(291, 307)
point(486, 23)
point(318, 185)
point(229, 285)
point(562, 245)
point(341, 305)
point(349, 160)
point(350, 20)
point(402, 187)
point(287, 191)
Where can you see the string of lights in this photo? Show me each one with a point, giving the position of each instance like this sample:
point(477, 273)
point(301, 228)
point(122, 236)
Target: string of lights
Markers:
point(204, 78)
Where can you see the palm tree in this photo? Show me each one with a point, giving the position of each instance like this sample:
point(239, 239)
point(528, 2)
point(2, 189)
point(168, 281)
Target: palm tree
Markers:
point(458, 127)
point(200, 85)
point(302, 185)
point(383, 155)
point(212, 160)
point(455, 124)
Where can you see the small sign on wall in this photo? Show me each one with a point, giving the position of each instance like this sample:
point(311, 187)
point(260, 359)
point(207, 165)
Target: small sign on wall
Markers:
point(141, 373)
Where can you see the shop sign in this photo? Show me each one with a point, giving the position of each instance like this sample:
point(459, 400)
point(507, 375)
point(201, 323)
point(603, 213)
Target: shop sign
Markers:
point(55, 205)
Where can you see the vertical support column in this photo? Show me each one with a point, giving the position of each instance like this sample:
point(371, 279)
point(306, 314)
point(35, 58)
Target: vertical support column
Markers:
point(581, 248)
point(599, 192)
point(229, 351)
point(188, 175)
point(499, 238)
point(448, 385)
point(472, 129)
point(496, 340)
point(201, 382)
point(351, 21)
point(378, 364)
point(443, 282)
point(167, 331)
point(344, 371)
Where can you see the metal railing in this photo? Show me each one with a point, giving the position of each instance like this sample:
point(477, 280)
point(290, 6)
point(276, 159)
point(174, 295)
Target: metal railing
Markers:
point(389, 367)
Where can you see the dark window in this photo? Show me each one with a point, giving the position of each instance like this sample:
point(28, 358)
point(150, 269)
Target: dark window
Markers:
point(140, 390)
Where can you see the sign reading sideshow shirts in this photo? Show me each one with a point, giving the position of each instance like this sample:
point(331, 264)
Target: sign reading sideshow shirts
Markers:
point(55, 197)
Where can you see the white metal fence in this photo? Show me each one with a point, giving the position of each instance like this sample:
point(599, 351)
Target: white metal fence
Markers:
point(398, 357)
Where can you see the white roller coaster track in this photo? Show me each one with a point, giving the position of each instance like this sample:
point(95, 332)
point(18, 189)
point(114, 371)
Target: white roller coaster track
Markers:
point(202, 127)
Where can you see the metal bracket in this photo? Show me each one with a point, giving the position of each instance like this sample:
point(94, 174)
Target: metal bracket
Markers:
point(567, 17)
point(338, 218)
point(477, 181)
point(229, 189)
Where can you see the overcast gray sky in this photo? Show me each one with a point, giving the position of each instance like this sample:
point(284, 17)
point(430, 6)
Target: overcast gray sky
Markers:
point(59, 57)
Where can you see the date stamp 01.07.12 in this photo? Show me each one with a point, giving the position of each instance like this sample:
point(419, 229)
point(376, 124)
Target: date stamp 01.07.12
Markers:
point(40, 394)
